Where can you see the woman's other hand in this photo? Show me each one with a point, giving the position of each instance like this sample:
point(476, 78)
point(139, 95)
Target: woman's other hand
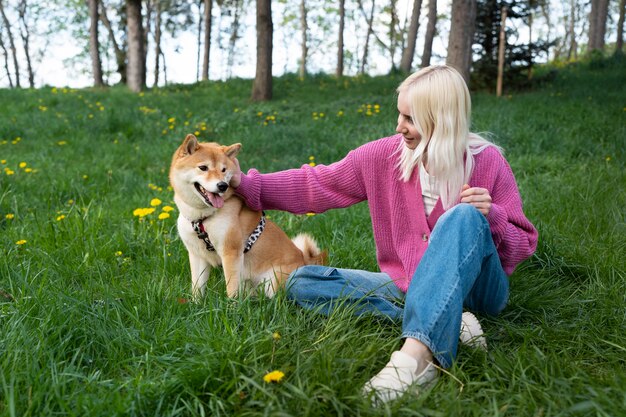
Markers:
point(477, 197)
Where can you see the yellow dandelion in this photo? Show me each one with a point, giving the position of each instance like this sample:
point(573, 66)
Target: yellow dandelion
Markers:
point(259, 114)
point(167, 209)
point(312, 164)
point(61, 217)
point(310, 214)
point(54, 90)
point(118, 253)
point(155, 202)
point(43, 108)
point(23, 164)
point(10, 216)
point(90, 116)
point(61, 143)
point(9, 171)
point(164, 216)
point(340, 113)
point(171, 120)
point(28, 170)
point(85, 177)
point(274, 376)
point(607, 159)
point(3, 161)
point(276, 336)
point(20, 242)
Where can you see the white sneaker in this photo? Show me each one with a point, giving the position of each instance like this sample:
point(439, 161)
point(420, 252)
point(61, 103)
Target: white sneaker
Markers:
point(398, 376)
point(472, 332)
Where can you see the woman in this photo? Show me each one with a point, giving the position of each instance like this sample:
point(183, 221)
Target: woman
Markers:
point(447, 220)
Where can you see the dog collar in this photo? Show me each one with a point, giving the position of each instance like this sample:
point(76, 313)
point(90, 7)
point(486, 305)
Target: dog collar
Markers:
point(198, 227)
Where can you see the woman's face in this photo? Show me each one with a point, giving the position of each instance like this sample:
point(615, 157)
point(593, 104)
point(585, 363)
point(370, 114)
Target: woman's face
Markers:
point(405, 122)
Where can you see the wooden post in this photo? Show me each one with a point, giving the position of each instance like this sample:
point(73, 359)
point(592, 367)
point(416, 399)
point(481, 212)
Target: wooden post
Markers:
point(501, 53)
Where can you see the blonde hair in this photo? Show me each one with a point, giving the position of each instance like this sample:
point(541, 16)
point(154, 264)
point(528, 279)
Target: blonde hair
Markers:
point(440, 107)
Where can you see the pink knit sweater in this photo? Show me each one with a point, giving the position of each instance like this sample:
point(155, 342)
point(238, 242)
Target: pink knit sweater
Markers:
point(400, 224)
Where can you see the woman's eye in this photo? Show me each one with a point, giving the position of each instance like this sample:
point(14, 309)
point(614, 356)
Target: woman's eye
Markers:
point(203, 168)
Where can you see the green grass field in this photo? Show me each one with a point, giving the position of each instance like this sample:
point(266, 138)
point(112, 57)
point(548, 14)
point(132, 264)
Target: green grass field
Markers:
point(93, 318)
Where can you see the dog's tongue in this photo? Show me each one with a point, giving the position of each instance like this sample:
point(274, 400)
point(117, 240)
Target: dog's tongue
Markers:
point(216, 200)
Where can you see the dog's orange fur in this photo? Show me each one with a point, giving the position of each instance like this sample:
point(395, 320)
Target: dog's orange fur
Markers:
point(229, 222)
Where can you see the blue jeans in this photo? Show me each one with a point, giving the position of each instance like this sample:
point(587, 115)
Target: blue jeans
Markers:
point(459, 269)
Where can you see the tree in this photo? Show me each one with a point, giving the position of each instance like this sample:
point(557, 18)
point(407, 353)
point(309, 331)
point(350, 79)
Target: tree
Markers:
point(157, 42)
point(7, 26)
point(94, 44)
point(597, 24)
point(304, 29)
point(6, 58)
point(430, 32)
point(119, 51)
point(262, 87)
point(370, 31)
point(619, 44)
point(25, 35)
point(409, 50)
point(461, 36)
point(136, 71)
point(208, 9)
point(342, 20)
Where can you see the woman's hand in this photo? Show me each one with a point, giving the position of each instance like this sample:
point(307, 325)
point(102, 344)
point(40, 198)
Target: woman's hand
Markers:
point(477, 197)
point(235, 180)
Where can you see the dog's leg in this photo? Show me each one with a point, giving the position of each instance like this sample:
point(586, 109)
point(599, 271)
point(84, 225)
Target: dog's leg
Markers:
point(232, 261)
point(200, 270)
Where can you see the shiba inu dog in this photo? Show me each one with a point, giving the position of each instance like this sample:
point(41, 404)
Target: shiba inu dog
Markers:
point(217, 227)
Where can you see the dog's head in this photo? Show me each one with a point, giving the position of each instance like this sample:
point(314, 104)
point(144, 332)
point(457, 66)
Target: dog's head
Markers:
point(200, 172)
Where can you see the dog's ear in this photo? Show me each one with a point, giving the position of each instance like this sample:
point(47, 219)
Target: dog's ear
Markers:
point(232, 150)
point(189, 146)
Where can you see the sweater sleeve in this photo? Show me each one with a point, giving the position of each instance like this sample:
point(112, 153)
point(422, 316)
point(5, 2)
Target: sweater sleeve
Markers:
point(307, 189)
point(513, 234)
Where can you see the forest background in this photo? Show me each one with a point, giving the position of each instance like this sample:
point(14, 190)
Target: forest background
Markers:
point(78, 43)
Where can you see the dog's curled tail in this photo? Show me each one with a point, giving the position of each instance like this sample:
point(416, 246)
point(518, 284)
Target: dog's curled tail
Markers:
point(312, 254)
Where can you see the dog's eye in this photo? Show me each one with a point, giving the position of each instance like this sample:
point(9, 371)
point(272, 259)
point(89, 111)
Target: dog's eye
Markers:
point(223, 169)
point(203, 168)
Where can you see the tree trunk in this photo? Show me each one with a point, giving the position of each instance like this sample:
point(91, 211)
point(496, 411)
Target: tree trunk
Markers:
point(120, 55)
point(232, 41)
point(6, 59)
point(409, 50)
point(94, 43)
point(392, 33)
point(208, 10)
point(619, 44)
point(304, 29)
point(342, 19)
point(16, 66)
point(430, 33)
point(597, 24)
point(157, 43)
point(501, 48)
point(461, 36)
point(136, 72)
point(262, 87)
point(25, 35)
point(573, 46)
point(370, 32)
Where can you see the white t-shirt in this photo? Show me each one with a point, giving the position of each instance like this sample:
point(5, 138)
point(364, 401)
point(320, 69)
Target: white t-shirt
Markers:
point(430, 193)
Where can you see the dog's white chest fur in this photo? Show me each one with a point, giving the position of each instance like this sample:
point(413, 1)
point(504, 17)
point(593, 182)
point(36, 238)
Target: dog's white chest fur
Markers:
point(216, 227)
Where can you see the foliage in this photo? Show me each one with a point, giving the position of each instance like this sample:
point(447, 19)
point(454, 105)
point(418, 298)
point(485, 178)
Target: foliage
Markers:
point(519, 57)
point(94, 318)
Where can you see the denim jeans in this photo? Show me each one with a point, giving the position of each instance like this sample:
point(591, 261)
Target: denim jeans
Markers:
point(459, 269)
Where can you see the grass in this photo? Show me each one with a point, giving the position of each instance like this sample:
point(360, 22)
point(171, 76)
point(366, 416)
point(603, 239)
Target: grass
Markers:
point(92, 313)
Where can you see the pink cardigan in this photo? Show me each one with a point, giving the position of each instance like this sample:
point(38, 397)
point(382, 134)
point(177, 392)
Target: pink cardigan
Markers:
point(401, 227)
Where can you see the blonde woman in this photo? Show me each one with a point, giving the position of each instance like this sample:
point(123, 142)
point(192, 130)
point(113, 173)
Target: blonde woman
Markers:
point(447, 220)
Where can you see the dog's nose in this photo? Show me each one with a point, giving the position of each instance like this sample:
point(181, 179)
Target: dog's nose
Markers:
point(222, 186)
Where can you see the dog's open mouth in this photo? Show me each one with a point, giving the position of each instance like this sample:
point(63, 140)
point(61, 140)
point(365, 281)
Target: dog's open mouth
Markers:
point(212, 199)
